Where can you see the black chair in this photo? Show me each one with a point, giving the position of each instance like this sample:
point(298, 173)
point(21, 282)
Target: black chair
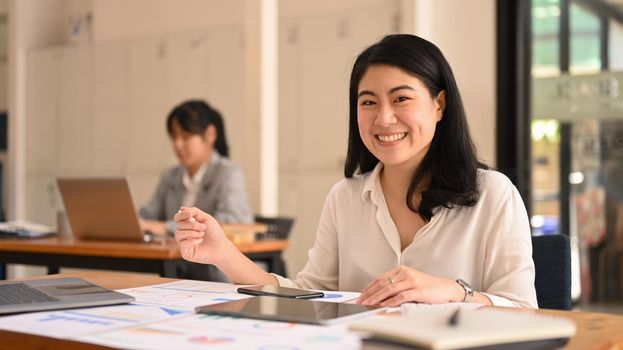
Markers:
point(1, 192)
point(277, 228)
point(552, 263)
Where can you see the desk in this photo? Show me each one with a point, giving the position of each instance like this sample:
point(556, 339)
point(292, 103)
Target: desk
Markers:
point(594, 330)
point(158, 257)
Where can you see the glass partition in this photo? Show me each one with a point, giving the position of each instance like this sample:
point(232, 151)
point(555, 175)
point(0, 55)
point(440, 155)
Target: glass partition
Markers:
point(576, 139)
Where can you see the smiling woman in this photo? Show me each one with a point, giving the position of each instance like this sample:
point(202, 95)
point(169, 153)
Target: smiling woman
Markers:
point(418, 217)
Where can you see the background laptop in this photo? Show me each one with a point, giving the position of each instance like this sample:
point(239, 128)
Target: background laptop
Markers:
point(100, 209)
point(52, 294)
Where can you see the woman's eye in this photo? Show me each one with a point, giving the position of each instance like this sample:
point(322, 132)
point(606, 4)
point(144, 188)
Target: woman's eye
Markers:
point(367, 103)
point(402, 98)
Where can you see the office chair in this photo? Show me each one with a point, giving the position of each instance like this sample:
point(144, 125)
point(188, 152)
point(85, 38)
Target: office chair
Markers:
point(277, 228)
point(1, 192)
point(552, 263)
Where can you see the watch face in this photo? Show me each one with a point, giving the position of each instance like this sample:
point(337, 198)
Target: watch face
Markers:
point(466, 286)
point(469, 292)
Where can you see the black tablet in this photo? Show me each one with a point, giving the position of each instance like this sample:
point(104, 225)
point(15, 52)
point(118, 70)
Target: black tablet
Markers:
point(290, 310)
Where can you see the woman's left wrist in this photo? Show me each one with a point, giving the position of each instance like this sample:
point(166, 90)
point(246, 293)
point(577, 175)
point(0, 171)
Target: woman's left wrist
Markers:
point(466, 292)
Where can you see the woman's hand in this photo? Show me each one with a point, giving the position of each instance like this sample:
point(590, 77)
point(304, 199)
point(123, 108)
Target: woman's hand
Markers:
point(200, 237)
point(404, 284)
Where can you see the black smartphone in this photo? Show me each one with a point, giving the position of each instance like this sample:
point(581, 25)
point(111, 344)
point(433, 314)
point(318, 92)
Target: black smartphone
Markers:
point(284, 292)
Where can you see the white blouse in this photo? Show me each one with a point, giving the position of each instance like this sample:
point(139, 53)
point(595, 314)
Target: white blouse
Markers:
point(487, 245)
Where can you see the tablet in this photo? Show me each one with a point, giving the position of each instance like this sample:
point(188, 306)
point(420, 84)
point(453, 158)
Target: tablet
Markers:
point(290, 310)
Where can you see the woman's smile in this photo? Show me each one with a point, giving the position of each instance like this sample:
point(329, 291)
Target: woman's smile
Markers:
point(390, 139)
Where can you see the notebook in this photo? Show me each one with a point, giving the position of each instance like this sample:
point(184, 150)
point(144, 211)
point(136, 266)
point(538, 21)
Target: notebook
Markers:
point(444, 328)
point(100, 209)
point(290, 310)
point(52, 294)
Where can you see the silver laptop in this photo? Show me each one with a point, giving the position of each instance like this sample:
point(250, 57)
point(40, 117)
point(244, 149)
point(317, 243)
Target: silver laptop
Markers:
point(100, 209)
point(53, 294)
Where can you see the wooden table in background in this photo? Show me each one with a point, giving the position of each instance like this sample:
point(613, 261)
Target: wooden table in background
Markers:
point(594, 330)
point(157, 257)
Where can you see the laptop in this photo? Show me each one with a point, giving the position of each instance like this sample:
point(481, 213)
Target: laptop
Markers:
point(54, 294)
point(100, 208)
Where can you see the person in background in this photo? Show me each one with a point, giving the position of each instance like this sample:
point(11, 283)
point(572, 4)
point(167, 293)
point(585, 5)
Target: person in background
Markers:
point(204, 178)
point(417, 218)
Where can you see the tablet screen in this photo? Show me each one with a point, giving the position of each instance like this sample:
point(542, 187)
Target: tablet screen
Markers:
point(290, 310)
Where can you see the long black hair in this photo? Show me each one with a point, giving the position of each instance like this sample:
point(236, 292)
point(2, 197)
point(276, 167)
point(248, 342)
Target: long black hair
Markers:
point(451, 164)
point(195, 116)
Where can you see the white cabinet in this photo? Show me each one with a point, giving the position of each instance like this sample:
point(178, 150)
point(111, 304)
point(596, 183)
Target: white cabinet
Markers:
point(187, 65)
point(43, 86)
point(148, 104)
point(110, 135)
point(74, 128)
point(101, 110)
point(225, 86)
point(42, 109)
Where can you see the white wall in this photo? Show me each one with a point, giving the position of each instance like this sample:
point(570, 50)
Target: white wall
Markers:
point(465, 33)
point(32, 24)
point(4, 84)
point(4, 94)
point(616, 46)
point(4, 43)
point(122, 19)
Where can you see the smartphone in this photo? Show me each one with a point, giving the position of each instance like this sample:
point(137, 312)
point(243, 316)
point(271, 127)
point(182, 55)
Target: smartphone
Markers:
point(284, 292)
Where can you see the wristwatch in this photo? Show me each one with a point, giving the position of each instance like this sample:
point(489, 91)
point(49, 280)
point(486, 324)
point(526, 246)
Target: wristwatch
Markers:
point(469, 291)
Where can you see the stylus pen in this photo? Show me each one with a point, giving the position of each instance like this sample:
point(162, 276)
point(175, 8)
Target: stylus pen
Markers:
point(453, 321)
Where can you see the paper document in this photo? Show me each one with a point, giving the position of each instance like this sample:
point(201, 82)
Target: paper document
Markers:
point(171, 295)
point(188, 294)
point(77, 322)
point(206, 331)
point(338, 296)
point(201, 286)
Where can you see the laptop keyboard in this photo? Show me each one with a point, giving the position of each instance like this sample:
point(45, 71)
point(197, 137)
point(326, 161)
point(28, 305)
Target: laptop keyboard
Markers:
point(21, 293)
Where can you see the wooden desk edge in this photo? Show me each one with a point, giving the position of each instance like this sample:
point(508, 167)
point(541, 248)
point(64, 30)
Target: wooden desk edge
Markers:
point(164, 250)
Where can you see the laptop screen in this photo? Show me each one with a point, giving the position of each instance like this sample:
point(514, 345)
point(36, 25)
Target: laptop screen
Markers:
point(100, 208)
